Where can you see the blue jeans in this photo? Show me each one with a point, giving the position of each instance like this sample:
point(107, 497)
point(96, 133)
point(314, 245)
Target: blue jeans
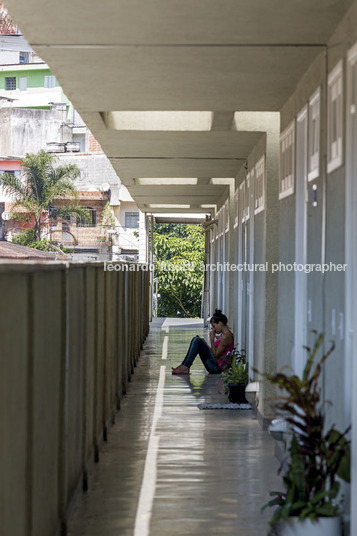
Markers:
point(199, 346)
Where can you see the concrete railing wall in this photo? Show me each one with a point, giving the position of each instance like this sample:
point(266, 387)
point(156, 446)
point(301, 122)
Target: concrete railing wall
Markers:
point(70, 336)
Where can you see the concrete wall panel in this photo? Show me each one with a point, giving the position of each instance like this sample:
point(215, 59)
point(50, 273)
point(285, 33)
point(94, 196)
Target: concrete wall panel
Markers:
point(47, 354)
point(286, 292)
point(14, 404)
point(334, 292)
point(90, 354)
point(120, 334)
point(75, 379)
point(110, 286)
point(100, 354)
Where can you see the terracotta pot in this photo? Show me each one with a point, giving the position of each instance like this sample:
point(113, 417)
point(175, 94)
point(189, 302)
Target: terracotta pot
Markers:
point(324, 526)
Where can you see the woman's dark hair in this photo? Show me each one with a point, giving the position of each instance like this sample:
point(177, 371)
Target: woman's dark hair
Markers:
point(219, 317)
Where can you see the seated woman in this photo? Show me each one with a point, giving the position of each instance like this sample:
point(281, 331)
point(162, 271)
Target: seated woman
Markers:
point(214, 356)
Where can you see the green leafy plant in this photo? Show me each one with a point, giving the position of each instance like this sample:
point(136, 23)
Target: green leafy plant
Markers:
point(27, 238)
point(108, 219)
point(237, 372)
point(316, 457)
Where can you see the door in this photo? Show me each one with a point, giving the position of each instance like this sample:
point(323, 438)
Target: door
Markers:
point(300, 242)
point(240, 336)
point(351, 273)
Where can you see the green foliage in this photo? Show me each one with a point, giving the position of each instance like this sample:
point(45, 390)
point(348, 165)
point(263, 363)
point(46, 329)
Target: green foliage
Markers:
point(238, 371)
point(316, 457)
point(27, 238)
point(108, 219)
point(41, 182)
point(179, 252)
point(180, 230)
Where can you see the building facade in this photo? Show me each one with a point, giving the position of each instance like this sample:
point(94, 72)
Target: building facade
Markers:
point(28, 130)
point(248, 115)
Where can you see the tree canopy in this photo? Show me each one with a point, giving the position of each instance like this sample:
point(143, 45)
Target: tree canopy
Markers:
point(179, 252)
point(40, 183)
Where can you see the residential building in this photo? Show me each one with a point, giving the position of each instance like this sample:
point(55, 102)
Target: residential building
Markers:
point(14, 49)
point(30, 130)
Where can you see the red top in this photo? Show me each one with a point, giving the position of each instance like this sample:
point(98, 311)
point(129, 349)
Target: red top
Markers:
point(221, 361)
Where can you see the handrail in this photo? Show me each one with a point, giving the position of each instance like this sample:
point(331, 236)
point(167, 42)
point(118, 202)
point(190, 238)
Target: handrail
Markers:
point(70, 337)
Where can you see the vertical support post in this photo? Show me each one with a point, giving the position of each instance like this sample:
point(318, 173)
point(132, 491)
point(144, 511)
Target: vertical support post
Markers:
point(231, 274)
point(30, 405)
point(63, 435)
point(96, 367)
point(85, 380)
point(151, 260)
point(105, 358)
point(206, 276)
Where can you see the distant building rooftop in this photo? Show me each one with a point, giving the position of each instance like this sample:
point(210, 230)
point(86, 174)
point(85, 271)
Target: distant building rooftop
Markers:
point(9, 250)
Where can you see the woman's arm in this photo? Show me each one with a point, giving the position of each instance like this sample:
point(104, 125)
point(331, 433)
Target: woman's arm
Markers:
point(226, 339)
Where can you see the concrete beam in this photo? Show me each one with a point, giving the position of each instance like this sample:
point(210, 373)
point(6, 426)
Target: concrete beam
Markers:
point(158, 121)
point(175, 167)
point(176, 190)
point(168, 144)
point(160, 22)
point(178, 78)
point(222, 120)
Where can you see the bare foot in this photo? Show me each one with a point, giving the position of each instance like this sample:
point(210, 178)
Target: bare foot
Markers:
point(181, 369)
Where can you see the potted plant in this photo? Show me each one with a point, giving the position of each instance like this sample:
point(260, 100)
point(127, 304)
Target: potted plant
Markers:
point(236, 377)
point(316, 459)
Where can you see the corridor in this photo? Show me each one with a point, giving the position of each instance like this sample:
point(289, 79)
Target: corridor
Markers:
point(172, 469)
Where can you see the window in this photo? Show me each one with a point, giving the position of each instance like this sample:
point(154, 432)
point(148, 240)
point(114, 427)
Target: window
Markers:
point(132, 220)
point(24, 57)
point(314, 136)
point(10, 83)
point(236, 208)
point(68, 218)
point(287, 161)
point(23, 83)
point(334, 118)
point(241, 201)
point(226, 216)
point(247, 195)
point(220, 222)
point(91, 222)
point(259, 186)
point(50, 81)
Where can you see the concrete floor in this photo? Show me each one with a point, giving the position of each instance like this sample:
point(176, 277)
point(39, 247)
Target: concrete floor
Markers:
point(171, 469)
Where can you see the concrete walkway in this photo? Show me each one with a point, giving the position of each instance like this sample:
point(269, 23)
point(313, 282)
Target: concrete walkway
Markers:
point(171, 469)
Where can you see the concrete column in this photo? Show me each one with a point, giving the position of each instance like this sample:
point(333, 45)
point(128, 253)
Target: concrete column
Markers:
point(206, 281)
point(142, 237)
point(265, 337)
point(231, 275)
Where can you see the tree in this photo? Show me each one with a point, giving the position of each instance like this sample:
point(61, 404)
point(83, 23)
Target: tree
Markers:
point(179, 251)
point(42, 182)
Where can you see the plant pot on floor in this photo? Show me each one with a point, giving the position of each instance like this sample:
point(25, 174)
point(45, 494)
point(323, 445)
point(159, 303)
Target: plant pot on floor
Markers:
point(237, 393)
point(324, 526)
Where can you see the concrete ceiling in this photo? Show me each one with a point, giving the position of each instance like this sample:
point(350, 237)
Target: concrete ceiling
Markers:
point(204, 56)
point(170, 22)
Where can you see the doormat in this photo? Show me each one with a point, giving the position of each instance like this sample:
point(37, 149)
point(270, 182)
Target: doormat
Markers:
point(224, 406)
